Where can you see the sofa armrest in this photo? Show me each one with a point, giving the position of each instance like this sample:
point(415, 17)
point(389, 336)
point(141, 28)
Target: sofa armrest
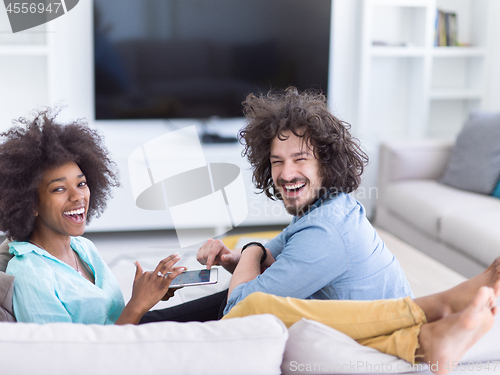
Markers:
point(422, 159)
point(407, 160)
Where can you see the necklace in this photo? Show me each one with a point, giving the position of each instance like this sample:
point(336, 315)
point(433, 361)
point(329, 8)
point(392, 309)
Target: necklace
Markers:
point(77, 269)
point(76, 261)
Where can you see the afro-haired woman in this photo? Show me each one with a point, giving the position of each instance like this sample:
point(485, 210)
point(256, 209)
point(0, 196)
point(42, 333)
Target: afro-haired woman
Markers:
point(53, 179)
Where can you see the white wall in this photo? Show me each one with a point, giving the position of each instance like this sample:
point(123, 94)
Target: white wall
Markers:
point(344, 59)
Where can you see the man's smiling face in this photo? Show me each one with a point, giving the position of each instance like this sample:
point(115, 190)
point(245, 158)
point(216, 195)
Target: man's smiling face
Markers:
point(295, 172)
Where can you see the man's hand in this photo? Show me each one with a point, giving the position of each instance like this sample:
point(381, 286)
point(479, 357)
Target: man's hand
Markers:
point(215, 252)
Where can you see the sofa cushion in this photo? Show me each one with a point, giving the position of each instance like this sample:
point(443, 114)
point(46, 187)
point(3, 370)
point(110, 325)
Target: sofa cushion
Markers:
point(475, 161)
point(475, 232)
point(496, 191)
point(6, 291)
point(423, 203)
point(314, 348)
point(6, 285)
point(250, 345)
point(5, 256)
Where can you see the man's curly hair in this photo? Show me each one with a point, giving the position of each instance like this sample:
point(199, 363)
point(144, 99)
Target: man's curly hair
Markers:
point(33, 146)
point(306, 115)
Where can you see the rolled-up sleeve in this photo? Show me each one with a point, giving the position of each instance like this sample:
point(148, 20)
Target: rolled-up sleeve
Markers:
point(301, 269)
point(277, 244)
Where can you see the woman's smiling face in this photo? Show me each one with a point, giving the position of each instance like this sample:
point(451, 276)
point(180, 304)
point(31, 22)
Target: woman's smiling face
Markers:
point(63, 201)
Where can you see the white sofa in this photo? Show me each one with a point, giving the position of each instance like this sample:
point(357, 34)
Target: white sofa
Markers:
point(251, 345)
point(459, 228)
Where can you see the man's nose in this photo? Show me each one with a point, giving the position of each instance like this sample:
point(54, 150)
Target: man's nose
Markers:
point(289, 171)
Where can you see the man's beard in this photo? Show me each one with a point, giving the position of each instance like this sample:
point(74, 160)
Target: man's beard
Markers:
point(292, 208)
point(300, 210)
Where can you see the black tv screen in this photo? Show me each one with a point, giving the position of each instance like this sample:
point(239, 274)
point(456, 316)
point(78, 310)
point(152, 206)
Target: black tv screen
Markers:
point(200, 58)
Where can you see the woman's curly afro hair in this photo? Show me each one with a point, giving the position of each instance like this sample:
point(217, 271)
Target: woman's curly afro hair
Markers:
point(306, 115)
point(33, 146)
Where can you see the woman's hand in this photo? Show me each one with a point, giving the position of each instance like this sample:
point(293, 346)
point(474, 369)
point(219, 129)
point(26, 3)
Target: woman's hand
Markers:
point(149, 288)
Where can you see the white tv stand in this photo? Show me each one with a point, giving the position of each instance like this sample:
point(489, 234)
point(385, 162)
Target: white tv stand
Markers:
point(122, 138)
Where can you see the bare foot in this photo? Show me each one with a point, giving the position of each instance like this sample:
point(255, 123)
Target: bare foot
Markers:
point(446, 340)
point(440, 305)
point(460, 296)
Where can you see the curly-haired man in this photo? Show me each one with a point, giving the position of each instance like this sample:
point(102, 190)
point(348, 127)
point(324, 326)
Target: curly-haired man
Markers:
point(306, 157)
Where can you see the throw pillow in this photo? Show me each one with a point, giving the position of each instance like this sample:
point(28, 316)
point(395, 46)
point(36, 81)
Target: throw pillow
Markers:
point(5, 256)
point(6, 292)
point(475, 161)
point(314, 348)
point(496, 192)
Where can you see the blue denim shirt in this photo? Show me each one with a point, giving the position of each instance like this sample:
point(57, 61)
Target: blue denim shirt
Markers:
point(331, 252)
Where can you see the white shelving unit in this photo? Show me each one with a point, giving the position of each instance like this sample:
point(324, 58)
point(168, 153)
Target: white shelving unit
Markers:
point(27, 61)
point(441, 85)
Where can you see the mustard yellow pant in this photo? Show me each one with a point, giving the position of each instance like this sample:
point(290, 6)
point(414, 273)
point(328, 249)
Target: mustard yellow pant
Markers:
point(391, 326)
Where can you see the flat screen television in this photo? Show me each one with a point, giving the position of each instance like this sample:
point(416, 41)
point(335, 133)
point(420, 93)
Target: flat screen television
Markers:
point(165, 59)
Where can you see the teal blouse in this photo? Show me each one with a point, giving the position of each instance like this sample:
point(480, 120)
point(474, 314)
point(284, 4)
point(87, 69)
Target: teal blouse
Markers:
point(48, 290)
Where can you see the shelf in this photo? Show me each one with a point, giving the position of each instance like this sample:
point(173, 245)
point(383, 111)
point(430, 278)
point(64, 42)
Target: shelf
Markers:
point(455, 95)
point(406, 83)
point(422, 51)
point(458, 52)
point(24, 50)
point(398, 51)
point(402, 3)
